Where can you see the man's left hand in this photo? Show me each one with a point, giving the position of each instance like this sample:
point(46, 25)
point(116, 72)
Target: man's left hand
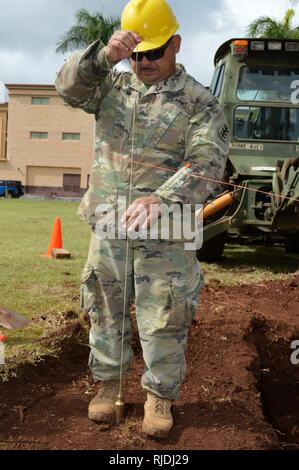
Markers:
point(142, 213)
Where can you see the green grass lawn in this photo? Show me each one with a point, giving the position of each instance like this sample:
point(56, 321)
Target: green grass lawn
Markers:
point(39, 288)
point(29, 283)
point(45, 289)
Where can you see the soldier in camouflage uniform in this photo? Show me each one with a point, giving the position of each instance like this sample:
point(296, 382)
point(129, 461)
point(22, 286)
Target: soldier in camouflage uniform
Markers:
point(177, 122)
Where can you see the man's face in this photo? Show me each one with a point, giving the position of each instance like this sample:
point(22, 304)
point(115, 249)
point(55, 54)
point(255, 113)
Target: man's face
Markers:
point(150, 72)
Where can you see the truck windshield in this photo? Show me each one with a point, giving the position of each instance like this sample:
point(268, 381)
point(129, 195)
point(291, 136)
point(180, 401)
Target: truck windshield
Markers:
point(266, 123)
point(258, 83)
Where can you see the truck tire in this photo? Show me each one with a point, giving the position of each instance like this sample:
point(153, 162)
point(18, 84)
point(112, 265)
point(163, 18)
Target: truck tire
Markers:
point(292, 243)
point(212, 249)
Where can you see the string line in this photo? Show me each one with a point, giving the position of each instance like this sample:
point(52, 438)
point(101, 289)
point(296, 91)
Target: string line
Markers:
point(205, 178)
point(125, 297)
point(199, 176)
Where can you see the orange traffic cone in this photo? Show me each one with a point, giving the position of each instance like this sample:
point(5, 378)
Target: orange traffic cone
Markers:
point(56, 238)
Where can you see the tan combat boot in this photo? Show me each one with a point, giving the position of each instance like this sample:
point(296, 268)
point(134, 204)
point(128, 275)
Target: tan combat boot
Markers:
point(158, 419)
point(102, 406)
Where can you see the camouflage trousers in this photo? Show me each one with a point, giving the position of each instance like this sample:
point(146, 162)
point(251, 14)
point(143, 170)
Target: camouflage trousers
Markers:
point(163, 282)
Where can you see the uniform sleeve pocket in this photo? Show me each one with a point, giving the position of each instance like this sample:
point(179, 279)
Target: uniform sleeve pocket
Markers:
point(162, 125)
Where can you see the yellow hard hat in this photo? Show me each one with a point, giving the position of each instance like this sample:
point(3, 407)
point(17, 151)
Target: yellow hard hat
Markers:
point(153, 20)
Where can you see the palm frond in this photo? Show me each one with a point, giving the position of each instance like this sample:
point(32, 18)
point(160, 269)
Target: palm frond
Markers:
point(88, 28)
point(266, 27)
point(288, 18)
point(73, 39)
point(258, 27)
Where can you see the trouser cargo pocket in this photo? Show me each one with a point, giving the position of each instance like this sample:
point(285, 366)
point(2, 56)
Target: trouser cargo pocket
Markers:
point(184, 302)
point(89, 298)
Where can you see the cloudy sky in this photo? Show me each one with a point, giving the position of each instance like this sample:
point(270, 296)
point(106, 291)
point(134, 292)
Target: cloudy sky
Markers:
point(29, 30)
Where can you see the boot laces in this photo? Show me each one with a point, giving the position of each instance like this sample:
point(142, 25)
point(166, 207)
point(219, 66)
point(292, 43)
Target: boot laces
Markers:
point(162, 405)
point(107, 389)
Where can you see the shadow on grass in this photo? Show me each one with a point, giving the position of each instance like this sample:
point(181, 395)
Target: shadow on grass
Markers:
point(249, 259)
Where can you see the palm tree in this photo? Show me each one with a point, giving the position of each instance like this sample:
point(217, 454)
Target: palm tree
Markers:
point(266, 27)
point(88, 28)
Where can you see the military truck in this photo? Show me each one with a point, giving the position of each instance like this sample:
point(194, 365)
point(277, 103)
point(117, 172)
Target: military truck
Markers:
point(257, 83)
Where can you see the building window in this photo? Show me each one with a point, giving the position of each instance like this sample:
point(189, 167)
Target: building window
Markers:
point(39, 135)
point(38, 100)
point(71, 136)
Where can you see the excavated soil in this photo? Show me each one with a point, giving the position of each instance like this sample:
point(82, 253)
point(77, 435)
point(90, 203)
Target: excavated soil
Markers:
point(241, 391)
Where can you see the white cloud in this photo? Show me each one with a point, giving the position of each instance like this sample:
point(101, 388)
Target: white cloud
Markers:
point(244, 11)
point(23, 68)
point(231, 21)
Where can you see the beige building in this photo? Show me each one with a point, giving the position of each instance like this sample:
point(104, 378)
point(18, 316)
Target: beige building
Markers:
point(49, 145)
point(3, 131)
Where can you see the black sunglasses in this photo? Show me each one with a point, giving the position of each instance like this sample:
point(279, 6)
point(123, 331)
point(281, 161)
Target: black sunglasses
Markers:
point(153, 54)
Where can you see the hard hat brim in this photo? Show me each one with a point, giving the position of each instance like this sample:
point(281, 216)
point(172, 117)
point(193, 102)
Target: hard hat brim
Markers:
point(155, 43)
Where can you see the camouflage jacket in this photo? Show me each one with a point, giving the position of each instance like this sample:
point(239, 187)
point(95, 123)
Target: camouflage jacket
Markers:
point(166, 126)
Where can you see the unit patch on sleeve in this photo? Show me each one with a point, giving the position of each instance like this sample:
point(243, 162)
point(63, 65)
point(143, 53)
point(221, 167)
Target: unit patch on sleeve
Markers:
point(224, 132)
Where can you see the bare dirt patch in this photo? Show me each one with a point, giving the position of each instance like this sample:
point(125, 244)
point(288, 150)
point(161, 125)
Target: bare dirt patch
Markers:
point(241, 391)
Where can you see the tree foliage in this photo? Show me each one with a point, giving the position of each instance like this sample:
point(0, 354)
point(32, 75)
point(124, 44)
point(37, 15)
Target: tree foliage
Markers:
point(87, 29)
point(267, 27)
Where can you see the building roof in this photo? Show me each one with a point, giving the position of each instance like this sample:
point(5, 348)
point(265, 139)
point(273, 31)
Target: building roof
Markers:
point(24, 86)
point(31, 89)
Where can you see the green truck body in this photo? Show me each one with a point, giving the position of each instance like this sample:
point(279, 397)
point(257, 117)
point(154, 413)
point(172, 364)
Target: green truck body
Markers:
point(257, 83)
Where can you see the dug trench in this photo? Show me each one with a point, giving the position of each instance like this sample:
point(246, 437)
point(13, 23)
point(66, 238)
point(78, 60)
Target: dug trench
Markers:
point(241, 389)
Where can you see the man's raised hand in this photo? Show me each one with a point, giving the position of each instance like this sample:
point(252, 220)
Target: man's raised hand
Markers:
point(121, 45)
